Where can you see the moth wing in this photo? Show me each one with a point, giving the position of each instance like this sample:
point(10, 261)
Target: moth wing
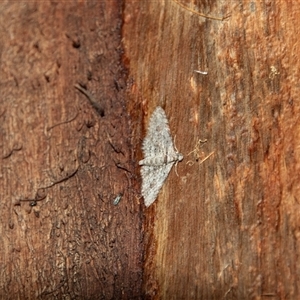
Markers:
point(158, 140)
point(153, 179)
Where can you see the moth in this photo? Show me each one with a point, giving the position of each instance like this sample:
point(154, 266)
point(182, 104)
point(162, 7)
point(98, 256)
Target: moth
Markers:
point(159, 156)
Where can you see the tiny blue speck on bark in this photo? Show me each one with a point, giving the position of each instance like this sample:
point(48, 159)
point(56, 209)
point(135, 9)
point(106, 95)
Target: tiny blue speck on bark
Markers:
point(117, 199)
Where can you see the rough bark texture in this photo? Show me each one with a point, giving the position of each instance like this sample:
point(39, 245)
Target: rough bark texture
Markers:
point(227, 228)
point(63, 161)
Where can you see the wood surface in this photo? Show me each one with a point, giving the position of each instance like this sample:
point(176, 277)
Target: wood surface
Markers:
point(227, 227)
point(64, 161)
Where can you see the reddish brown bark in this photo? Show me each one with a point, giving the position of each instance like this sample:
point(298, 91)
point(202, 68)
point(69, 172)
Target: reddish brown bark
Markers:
point(227, 228)
point(63, 162)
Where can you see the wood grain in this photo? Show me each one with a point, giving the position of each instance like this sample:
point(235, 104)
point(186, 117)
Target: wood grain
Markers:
point(63, 163)
point(226, 228)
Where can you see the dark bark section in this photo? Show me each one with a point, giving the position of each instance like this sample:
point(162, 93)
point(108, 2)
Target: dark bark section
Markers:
point(227, 228)
point(64, 158)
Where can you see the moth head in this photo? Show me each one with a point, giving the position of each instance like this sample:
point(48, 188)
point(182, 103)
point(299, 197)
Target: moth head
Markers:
point(179, 156)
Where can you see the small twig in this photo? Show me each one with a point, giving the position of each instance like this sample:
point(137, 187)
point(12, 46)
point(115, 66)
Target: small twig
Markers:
point(204, 159)
point(201, 72)
point(197, 150)
point(190, 163)
point(200, 14)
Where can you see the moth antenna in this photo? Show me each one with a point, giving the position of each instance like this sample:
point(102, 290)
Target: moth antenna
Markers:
point(176, 168)
point(175, 144)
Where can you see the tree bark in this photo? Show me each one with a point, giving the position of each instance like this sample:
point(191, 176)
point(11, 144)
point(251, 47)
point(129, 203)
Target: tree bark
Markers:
point(66, 156)
point(228, 226)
